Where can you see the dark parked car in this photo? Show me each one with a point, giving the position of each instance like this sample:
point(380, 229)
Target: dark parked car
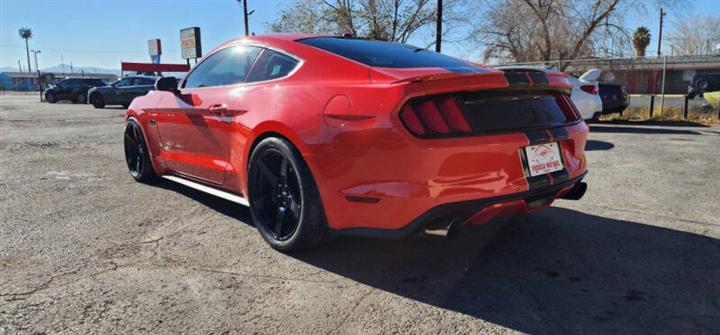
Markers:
point(121, 92)
point(704, 82)
point(73, 89)
point(614, 98)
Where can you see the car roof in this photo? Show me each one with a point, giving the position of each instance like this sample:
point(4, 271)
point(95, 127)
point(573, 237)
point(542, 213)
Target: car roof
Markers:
point(524, 67)
point(141, 76)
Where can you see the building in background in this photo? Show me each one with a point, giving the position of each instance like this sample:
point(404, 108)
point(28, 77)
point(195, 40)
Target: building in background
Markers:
point(644, 75)
point(28, 81)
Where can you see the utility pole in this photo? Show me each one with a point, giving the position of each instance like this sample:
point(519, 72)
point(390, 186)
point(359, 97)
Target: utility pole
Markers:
point(19, 65)
point(37, 69)
point(245, 16)
point(662, 13)
point(35, 52)
point(438, 27)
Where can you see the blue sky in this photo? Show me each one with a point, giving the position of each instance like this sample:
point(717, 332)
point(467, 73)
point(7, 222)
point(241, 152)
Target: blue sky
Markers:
point(102, 33)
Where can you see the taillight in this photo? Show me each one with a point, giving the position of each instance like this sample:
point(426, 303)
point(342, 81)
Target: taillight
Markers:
point(436, 116)
point(567, 106)
point(590, 89)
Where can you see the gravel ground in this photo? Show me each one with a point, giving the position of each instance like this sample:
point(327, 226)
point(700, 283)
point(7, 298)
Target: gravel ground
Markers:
point(84, 249)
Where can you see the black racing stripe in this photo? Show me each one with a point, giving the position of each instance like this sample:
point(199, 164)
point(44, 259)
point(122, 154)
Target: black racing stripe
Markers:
point(537, 137)
point(524, 162)
point(538, 182)
point(533, 182)
point(515, 78)
point(539, 78)
point(560, 134)
point(560, 176)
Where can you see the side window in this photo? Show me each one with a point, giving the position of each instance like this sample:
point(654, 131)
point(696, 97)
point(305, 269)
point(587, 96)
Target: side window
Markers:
point(225, 67)
point(271, 65)
point(137, 82)
point(147, 81)
point(123, 82)
point(67, 83)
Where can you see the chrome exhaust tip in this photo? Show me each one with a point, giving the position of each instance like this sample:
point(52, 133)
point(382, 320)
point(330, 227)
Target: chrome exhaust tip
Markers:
point(447, 229)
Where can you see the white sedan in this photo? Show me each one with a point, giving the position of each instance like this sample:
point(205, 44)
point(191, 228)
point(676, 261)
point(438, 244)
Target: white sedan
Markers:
point(584, 91)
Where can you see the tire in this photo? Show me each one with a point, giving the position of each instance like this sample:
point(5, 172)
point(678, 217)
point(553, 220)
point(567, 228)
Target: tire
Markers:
point(284, 200)
point(97, 100)
point(137, 156)
point(50, 97)
point(79, 98)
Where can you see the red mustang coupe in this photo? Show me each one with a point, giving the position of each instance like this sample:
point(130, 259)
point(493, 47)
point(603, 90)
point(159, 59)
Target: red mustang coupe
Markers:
point(324, 134)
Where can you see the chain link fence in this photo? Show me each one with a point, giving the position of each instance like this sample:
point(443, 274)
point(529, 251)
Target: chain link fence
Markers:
point(664, 87)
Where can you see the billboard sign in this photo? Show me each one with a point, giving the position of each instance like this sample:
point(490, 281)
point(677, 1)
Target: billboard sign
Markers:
point(190, 43)
point(155, 50)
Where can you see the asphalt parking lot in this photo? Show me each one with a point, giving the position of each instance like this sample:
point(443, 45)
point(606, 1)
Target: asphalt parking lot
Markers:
point(85, 249)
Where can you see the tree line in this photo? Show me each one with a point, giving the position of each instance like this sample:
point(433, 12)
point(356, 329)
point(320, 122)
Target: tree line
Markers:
point(504, 30)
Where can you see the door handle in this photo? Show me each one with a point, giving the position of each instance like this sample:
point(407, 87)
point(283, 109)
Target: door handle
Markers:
point(218, 109)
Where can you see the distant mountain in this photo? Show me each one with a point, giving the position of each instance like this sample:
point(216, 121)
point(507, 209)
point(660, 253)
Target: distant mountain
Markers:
point(79, 69)
point(59, 68)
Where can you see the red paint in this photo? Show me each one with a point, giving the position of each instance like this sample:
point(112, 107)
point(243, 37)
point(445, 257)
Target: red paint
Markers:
point(356, 146)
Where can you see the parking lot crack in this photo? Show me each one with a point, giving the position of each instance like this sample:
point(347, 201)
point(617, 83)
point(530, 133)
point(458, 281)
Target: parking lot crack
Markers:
point(252, 275)
point(352, 311)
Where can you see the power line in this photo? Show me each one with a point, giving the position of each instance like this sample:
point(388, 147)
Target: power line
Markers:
point(91, 50)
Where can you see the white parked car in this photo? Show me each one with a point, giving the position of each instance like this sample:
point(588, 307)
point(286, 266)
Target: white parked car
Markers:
point(584, 91)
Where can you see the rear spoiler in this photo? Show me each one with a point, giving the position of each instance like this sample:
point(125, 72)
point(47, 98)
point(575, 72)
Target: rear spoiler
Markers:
point(451, 81)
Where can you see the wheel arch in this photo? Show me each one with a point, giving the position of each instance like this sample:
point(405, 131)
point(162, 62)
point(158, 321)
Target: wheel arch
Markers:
point(94, 93)
point(154, 160)
point(272, 129)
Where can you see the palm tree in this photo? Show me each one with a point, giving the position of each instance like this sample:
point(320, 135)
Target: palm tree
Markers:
point(26, 34)
point(640, 41)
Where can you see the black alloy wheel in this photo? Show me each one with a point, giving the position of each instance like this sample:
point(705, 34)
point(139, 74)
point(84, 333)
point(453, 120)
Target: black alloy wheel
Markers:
point(50, 97)
point(137, 156)
point(284, 200)
point(80, 98)
point(97, 100)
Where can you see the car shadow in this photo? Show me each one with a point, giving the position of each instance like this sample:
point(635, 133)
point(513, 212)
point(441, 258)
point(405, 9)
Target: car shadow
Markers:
point(225, 207)
point(640, 130)
point(595, 145)
point(664, 123)
point(555, 271)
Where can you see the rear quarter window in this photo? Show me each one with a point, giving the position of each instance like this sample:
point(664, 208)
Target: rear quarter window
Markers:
point(271, 65)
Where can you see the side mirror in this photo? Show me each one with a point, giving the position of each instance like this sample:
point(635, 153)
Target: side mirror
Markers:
point(168, 84)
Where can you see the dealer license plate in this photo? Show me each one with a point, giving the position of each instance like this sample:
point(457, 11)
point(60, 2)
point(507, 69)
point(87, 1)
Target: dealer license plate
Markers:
point(543, 158)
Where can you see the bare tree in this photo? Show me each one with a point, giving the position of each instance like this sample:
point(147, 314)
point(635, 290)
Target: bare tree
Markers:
point(393, 20)
point(695, 35)
point(545, 30)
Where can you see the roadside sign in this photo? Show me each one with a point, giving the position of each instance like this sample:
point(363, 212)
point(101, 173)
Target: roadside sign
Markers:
point(155, 50)
point(190, 43)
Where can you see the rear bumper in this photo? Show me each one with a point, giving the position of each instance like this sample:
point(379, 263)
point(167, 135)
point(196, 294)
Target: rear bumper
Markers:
point(384, 179)
point(475, 211)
